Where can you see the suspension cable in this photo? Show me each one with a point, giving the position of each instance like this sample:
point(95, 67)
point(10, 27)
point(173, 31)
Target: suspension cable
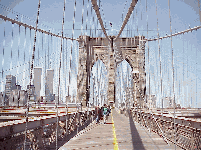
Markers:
point(130, 10)
point(96, 9)
point(19, 14)
point(178, 33)
point(10, 69)
point(31, 27)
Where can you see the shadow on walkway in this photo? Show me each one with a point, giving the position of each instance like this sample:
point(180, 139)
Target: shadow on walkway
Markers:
point(136, 140)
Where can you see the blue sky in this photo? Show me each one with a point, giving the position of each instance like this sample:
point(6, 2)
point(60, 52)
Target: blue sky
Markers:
point(184, 13)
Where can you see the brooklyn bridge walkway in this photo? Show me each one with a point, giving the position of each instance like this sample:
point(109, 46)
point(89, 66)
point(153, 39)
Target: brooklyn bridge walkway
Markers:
point(120, 132)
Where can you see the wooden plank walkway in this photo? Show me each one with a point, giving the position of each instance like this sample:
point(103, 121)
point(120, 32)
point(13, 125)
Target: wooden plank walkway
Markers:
point(119, 130)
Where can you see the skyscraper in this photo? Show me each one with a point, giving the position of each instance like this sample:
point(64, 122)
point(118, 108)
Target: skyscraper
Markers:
point(10, 84)
point(49, 85)
point(37, 82)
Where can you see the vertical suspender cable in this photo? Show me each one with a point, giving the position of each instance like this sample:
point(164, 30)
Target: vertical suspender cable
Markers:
point(91, 32)
point(172, 75)
point(183, 76)
point(18, 53)
point(11, 52)
point(87, 17)
point(66, 91)
point(187, 77)
point(82, 18)
point(92, 21)
point(63, 73)
point(38, 50)
point(74, 20)
point(2, 71)
point(25, 40)
point(48, 53)
point(199, 10)
point(52, 45)
point(31, 70)
point(137, 21)
point(19, 43)
point(148, 52)
point(191, 81)
point(159, 52)
point(196, 79)
point(71, 46)
point(60, 74)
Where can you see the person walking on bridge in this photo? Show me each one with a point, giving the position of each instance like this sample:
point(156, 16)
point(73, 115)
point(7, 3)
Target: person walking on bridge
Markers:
point(105, 113)
point(98, 112)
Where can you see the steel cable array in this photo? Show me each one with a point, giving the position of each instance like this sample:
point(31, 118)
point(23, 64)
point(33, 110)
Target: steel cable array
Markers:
point(31, 27)
point(20, 15)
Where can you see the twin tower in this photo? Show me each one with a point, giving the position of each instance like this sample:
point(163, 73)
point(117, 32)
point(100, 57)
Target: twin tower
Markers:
point(111, 53)
point(49, 96)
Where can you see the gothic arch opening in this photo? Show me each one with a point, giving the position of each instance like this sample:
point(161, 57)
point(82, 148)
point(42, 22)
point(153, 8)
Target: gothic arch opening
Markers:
point(98, 84)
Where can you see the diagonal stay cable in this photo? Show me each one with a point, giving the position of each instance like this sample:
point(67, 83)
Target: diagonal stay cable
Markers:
point(96, 9)
point(130, 10)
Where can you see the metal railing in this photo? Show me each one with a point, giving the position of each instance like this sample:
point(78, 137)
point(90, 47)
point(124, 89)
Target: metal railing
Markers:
point(43, 134)
point(187, 137)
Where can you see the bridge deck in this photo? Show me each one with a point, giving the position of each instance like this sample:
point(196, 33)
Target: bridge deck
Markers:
point(129, 135)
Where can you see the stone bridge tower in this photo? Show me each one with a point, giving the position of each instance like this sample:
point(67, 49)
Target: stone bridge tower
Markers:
point(91, 49)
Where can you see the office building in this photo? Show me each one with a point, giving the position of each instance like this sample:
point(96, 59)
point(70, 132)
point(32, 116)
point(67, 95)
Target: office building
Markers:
point(23, 97)
point(1, 99)
point(37, 82)
point(10, 84)
point(31, 92)
point(14, 98)
point(49, 85)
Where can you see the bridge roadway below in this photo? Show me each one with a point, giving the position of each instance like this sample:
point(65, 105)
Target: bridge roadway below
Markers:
point(119, 132)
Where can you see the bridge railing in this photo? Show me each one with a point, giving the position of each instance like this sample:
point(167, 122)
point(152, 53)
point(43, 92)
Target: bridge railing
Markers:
point(43, 135)
point(186, 137)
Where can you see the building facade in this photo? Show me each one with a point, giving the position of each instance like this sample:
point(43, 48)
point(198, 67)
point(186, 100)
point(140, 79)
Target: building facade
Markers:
point(49, 85)
point(10, 84)
point(37, 82)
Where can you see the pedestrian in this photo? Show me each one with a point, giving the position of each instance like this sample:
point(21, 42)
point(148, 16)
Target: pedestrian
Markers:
point(108, 110)
point(105, 113)
point(98, 112)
